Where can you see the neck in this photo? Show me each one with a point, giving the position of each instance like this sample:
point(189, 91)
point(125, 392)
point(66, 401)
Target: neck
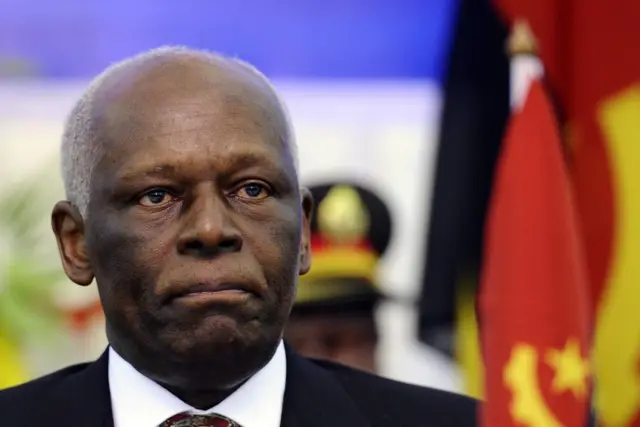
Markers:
point(201, 399)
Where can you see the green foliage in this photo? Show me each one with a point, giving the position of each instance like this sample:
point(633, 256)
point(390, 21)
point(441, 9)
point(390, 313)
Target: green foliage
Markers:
point(28, 274)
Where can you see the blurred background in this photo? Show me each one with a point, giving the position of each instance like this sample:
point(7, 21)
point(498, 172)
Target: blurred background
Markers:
point(408, 99)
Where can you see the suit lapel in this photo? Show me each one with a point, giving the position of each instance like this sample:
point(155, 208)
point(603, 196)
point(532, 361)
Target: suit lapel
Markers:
point(314, 398)
point(80, 400)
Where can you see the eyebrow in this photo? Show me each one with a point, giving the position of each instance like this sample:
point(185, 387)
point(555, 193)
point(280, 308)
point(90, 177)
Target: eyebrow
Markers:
point(159, 171)
point(236, 162)
point(245, 160)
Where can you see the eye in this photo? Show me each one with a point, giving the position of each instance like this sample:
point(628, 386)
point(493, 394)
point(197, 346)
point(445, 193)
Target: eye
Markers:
point(253, 191)
point(157, 197)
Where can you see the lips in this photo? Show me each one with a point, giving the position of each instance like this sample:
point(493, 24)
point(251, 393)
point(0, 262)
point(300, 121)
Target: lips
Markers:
point(208, 288)
point(213, 287)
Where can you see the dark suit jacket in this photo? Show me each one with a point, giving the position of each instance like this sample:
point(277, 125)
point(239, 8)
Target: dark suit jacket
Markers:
point(317, 394)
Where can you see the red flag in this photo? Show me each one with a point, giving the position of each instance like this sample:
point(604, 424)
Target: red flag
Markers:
point(534, 297)
point(589, 50)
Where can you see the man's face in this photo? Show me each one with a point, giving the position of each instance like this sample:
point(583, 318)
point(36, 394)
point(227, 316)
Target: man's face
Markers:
point(196, 233)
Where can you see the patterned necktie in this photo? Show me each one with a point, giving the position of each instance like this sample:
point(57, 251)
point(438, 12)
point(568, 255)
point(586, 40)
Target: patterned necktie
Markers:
point(188, 420)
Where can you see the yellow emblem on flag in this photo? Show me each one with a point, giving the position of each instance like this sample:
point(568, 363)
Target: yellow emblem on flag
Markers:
point(521, 377)
point(571, 370)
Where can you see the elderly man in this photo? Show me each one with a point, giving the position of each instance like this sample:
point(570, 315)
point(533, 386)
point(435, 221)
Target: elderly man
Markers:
point(184, 206)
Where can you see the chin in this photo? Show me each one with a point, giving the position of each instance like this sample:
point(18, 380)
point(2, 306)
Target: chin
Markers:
point(211, 351)
point(218, 353)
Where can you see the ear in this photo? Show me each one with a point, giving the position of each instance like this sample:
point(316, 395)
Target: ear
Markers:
point(68, 226)
point(305, 239)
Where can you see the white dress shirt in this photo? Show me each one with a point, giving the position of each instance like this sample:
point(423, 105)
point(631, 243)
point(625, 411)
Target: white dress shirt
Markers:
point(137, 401)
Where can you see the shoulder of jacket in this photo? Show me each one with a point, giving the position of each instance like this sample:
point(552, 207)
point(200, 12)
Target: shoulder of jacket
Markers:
point(395, 402)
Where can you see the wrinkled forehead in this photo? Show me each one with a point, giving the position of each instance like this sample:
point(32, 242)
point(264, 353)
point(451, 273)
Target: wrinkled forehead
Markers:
point(208, 107)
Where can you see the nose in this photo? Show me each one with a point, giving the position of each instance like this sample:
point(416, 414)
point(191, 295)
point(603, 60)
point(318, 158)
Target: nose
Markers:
point(208, 230)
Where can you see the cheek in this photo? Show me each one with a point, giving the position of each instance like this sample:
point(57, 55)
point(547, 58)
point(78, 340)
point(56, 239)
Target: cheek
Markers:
point(274, 236)
point(275, 246)
point(125, 261)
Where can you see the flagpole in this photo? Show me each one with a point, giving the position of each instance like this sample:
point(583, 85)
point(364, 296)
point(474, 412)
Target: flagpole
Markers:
point(525, 66)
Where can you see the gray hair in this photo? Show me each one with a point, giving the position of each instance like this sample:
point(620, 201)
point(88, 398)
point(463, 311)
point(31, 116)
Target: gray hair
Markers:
point(81, 150)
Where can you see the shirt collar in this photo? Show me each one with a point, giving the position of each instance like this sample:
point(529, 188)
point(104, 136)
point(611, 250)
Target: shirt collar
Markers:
point(137, 401)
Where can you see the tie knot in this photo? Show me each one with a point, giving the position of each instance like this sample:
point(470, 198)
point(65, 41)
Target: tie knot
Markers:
point(189, 420)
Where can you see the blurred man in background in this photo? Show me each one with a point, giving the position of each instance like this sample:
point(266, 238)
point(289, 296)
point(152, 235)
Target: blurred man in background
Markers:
point(334, 314)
